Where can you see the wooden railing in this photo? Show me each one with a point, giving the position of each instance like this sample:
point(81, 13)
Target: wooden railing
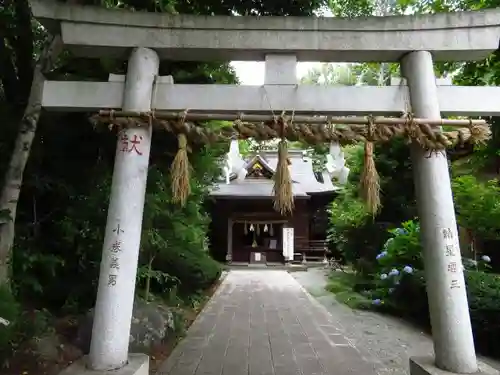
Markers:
point(310, 250)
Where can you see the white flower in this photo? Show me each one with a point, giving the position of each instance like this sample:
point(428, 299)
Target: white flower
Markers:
point(486, 258)
point(3, 321)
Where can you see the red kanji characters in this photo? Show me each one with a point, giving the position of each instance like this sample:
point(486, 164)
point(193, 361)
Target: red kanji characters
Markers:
point(129, 145)
point(452, 267)
point(135, 141)
point(124, 140)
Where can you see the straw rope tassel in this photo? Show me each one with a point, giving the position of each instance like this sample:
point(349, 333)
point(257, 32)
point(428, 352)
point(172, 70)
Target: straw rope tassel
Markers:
point(370, 180)
point(283, 194)
point(181, 188)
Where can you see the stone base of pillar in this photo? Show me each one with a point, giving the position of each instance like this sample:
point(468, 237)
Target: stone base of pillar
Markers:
point(426, 366)
point(138, 364)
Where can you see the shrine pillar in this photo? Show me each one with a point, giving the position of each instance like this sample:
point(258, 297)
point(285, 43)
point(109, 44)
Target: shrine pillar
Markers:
point(115, 294)
point(229, 253)
point(448, 307)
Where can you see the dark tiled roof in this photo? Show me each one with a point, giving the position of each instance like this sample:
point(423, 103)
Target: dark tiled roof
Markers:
point(301, 171)
point(252, 188)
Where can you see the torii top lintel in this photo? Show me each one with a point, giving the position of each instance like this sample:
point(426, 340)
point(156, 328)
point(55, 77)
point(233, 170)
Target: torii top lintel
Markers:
point(98, 32)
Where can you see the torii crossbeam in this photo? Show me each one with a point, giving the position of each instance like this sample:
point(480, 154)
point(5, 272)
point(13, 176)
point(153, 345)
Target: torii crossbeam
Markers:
point(302, 99)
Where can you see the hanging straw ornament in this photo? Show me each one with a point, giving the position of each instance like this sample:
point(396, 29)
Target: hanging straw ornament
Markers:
point(251, 228)
point(181, 187)
point(245, 228)
point(370, 180)
point(271, 230)
point(180, 169)
point(265, 228)
point(283, 194)
point(254, 242)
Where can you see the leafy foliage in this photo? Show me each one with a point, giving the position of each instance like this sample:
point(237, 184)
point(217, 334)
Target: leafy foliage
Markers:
point(347, 215)
point(402, 249)
point(478, 205)
point(409, 299)
point(354, 233)
point(63, 203)
point(398, 286)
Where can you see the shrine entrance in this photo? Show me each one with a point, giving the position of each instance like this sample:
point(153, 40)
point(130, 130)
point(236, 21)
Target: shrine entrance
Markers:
point(281, 109)
point(257, 242)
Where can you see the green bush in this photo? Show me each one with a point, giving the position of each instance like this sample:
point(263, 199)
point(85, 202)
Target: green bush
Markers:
point(478, 209)
point(175, 238)
point(477, 205)
point(22, 325)
point(195, 269)
point(399, 283)
point(483, 290)
point(9, 310)
point(403, 249)
point(409, 300)
point(353, 234)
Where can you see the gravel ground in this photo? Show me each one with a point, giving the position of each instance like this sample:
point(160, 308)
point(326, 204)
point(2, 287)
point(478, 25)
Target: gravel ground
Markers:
point(387, 341)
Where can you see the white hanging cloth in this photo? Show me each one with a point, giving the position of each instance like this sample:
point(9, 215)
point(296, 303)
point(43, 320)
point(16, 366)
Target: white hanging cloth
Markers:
point(234, 162)
point(335, 164)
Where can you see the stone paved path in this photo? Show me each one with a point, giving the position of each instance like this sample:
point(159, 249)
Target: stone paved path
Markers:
point(263, 323)
point(389, 342)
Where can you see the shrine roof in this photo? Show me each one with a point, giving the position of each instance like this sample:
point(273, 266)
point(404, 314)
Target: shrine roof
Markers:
point(303, 177)
point(252, 189)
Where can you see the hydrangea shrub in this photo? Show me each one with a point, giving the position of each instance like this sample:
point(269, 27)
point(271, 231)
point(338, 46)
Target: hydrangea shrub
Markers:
point(401, 257)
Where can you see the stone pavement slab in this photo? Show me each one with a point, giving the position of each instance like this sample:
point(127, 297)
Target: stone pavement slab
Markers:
point(262, 322)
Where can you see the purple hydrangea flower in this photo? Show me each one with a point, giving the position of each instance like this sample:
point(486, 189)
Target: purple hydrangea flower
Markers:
point(408, 269)
point(394, 272)
point(400, 231)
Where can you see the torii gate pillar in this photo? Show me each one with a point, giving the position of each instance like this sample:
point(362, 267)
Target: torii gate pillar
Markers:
point(449, 311)
point(115, 295)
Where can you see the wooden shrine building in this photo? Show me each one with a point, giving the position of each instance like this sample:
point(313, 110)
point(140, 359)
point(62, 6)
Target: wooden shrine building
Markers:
point(245, 226)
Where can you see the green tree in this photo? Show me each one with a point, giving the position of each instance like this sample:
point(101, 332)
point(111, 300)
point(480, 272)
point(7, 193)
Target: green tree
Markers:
point(353, 74)
point(24, 62)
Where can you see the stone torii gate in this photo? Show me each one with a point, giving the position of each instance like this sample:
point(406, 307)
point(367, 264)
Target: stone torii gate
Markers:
point(144, 39)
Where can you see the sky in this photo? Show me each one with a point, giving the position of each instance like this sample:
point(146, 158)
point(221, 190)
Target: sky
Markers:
point(252, 72)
